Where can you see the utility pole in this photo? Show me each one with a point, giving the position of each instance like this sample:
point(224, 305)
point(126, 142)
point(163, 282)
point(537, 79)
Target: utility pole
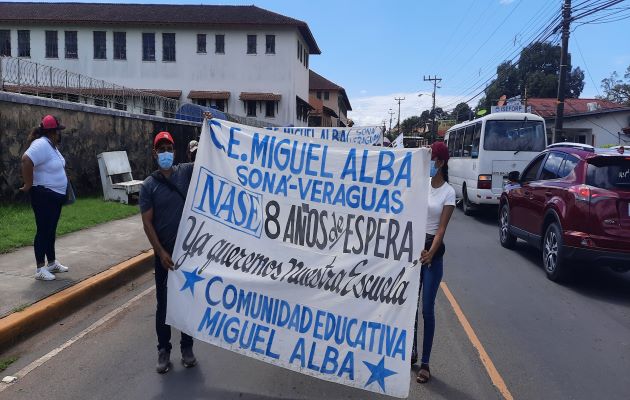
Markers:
point(399, 99)
point(435, 81)
point(564, 59)
point(391, 113)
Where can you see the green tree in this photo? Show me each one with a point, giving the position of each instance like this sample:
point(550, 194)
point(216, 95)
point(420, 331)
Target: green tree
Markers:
point(461, 112)
point(536, 72)
point(411, 123)
point(616, 89)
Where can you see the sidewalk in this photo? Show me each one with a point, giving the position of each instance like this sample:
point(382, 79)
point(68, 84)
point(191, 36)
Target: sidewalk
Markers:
point(86, 252)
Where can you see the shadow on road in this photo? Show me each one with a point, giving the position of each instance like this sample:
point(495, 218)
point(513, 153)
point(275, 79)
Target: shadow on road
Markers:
point(597, 282)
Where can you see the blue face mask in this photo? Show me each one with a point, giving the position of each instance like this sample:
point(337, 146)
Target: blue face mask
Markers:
point(165, 160)
point(433, 171)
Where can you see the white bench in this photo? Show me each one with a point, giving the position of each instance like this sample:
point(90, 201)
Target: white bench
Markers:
point(118, 184)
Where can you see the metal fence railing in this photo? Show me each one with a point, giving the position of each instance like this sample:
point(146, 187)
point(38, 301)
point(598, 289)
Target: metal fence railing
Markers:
point(29, 77)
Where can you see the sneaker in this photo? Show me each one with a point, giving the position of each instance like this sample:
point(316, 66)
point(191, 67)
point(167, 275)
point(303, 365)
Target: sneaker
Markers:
point(164, 361)
point(56, 267)
point(188, 358)
point(44, 275)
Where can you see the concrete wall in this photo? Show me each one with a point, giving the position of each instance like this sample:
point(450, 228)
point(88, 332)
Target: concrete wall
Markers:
point(235, 71)
point(89, 131)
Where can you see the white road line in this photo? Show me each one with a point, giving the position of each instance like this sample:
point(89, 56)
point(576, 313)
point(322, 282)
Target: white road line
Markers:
point(40, 361)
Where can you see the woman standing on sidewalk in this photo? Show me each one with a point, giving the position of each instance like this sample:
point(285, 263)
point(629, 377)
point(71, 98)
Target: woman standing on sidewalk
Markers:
point(441, 205)
point(44, 175)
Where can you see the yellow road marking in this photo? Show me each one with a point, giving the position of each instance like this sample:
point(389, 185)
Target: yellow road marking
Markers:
point(496, 378)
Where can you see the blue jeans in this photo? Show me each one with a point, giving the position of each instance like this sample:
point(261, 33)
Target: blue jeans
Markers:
point(164, 331)
point(46, 206)
point(430, 278)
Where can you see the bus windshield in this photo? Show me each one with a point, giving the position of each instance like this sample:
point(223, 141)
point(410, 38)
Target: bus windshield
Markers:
point(514, 136)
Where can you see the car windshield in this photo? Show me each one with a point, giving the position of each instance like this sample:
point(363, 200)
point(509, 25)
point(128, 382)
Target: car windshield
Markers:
point(609, 173)
point(514, 136)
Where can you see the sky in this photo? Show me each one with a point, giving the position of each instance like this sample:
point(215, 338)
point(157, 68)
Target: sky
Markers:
point(379, 50)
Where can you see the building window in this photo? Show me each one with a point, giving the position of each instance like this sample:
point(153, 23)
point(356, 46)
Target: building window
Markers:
point(5, 42)
point(219, 105)
point(168, 47)
point(100, 103)
point(305, 58)
point(326, 95)
point(219, 44)
point(148, 47)
point(201, 43)
point(148, 107)
point(51, 44)
point(319, 95)
point(270, 109)
point(100, 45)
point(270, 45)
point(120, 45)
point(251, 44)
point(24, 43)
point(169, 108)
point(251, 108)
point(71, 44)
point(299, 51)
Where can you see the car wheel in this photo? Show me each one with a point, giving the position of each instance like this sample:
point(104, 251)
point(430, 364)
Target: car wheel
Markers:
point(466, 205)
point(507, 239)
point(553, 260)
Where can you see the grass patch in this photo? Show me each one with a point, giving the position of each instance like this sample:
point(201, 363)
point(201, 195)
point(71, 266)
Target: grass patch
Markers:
point(20, 308)
point(18, 222)
point(4, 363)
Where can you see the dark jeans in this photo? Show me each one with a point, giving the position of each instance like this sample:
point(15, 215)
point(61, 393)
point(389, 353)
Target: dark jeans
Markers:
point(46, 205)
point(164, 331)
point(430, 278)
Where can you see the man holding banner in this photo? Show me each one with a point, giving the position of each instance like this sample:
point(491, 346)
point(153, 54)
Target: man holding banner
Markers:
point(162, 198)
point(303, 253)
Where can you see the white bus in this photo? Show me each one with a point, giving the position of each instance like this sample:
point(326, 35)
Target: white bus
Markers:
point(483, 151)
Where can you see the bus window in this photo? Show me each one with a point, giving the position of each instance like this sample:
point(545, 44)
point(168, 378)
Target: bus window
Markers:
point(449, 143)
point(514, 135)
point(457, 149)
point(468, 137)
point(474, 152)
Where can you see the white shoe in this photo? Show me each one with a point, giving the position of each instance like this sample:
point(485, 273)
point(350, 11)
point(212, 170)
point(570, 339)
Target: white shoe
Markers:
point(44, 275)
point(56, 267)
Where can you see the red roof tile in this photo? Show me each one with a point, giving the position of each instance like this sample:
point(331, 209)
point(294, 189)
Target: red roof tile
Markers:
point(259, 96)
point(546, 108)
point(318, 82)
point(208, 94)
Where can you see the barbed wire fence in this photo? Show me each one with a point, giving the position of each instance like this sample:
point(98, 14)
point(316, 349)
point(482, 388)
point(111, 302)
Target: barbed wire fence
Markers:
point(28, 77)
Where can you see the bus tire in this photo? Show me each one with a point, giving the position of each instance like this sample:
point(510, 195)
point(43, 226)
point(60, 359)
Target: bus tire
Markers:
point(466, 205)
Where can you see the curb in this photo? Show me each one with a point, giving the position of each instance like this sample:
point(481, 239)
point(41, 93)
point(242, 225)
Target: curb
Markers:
point(17, 326)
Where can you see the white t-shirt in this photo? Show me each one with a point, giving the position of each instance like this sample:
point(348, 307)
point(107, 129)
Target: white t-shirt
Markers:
point(438, 198)
point(49, 166)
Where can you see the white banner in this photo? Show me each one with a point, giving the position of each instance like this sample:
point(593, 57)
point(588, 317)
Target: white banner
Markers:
point(399, 142)
point(302, 254)
point(367, 135)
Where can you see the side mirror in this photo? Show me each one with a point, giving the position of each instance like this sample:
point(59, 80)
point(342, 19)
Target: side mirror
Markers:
point(514, 176)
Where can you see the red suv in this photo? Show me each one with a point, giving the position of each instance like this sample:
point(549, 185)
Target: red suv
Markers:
point(573, 202)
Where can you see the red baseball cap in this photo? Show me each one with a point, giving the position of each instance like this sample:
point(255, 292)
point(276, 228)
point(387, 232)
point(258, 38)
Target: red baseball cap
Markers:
point(439, 151)
point(50, 122)
point(163, 136)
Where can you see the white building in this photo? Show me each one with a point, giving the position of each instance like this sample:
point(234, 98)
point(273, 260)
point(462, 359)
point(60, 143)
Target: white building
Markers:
point(596, 122)
point(241, 59)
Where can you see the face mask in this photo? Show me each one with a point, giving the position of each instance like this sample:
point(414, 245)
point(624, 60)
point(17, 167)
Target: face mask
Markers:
point(433, 171)
point(165, 160)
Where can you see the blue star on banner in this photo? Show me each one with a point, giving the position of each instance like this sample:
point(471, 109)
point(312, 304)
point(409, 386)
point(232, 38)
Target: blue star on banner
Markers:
point(378, 373)
point(191, 279)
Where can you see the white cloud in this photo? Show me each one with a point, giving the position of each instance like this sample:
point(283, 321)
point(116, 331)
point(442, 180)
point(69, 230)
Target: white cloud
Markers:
point(372, 110)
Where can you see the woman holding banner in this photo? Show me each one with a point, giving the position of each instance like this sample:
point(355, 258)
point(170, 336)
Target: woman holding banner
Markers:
point(441, 205)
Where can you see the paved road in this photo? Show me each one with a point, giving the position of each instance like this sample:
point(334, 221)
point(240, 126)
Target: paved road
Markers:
point(548, 341)
point(117, 361)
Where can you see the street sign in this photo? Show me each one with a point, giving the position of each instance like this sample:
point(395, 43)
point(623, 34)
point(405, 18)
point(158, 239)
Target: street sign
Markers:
point(514, 107)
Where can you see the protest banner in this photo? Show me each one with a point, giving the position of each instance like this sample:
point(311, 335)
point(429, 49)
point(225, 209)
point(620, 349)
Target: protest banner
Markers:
point(367, 135)
point(303, 253)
